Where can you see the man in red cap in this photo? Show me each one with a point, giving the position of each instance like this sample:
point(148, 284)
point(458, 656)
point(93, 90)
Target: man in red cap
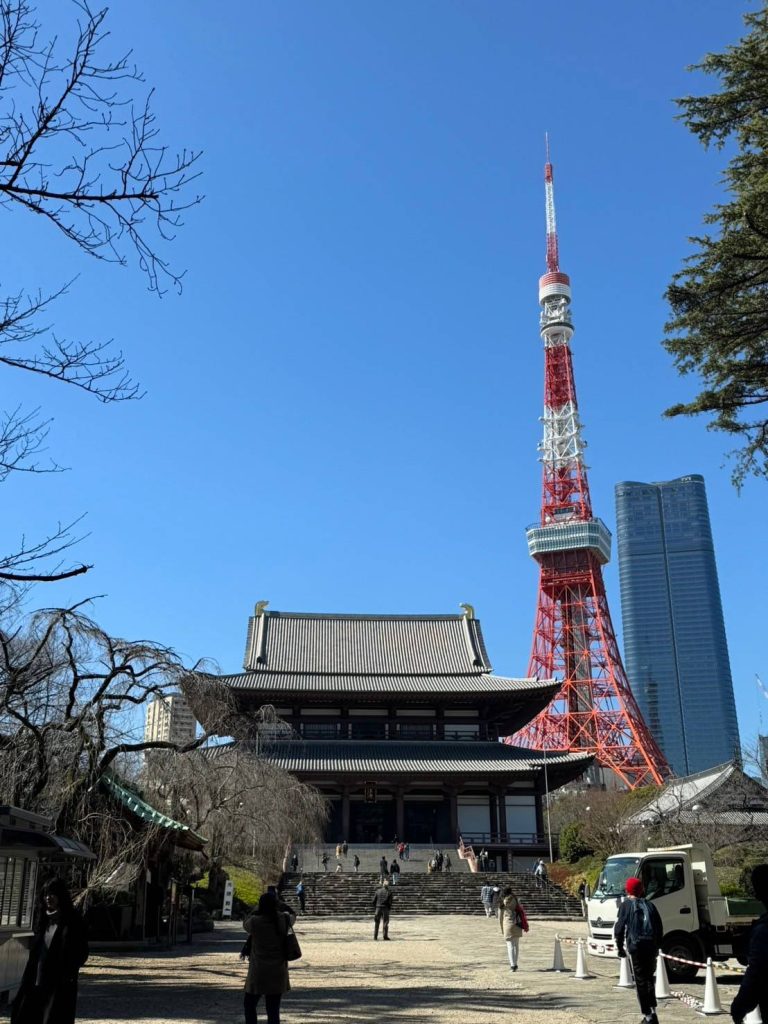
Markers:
point(639, 929)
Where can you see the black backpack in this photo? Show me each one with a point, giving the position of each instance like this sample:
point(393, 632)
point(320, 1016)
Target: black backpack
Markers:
point(641, 923)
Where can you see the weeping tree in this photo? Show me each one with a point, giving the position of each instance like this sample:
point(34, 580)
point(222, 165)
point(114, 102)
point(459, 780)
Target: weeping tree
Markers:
point(81, 149)
point(718, 329)
point(72, 707)
point(72, 703)
point(249, 809)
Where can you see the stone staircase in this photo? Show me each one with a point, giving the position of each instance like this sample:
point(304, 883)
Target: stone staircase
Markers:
point(350, 895)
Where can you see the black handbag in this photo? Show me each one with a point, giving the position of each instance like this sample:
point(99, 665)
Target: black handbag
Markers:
point(291, 947)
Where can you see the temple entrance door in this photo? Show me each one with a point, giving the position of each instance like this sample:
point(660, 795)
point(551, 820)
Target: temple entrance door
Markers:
point(427, 821)
point(372, 823)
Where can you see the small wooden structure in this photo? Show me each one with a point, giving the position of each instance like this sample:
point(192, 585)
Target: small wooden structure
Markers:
point(150, 908)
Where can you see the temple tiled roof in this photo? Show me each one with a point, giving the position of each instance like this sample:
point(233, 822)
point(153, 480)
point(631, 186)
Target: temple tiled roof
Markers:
point(723, 791)
point(300, 682)
point(409, 757)
point(183, 834)
point(377, 645)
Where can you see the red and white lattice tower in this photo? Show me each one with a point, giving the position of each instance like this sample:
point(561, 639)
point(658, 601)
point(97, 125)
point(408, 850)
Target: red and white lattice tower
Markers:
point(573, 638)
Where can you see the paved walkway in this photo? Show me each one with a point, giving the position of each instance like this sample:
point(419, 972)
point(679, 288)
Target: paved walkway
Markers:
point(436, 970)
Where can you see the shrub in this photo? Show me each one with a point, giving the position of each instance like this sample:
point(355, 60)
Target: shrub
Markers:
point(572, 845)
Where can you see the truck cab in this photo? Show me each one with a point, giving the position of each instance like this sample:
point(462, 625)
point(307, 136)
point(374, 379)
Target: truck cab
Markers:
point(680, 880)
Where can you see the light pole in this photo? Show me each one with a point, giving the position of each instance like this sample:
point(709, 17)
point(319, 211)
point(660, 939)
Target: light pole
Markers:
point(546, 797)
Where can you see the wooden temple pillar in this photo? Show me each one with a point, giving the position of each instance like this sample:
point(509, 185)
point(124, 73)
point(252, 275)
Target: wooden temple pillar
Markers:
point(452, 794)
point(501, 795)
point(345, 821)
point(494, 812)
point(399, 813)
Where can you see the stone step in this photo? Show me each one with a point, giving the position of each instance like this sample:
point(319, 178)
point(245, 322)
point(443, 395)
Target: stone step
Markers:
point(352, 894)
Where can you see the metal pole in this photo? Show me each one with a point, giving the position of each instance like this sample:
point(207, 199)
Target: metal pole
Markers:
point(546, 797)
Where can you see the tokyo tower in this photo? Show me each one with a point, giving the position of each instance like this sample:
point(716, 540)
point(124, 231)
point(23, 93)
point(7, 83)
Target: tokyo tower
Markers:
point(573, 637)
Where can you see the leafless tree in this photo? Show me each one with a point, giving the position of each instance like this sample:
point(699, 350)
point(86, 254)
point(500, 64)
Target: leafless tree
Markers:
point(248, 809)
point(72, 699)
point(72, 704)
point(80, 147)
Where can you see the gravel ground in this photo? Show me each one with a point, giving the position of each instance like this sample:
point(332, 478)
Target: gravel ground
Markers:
point(436, 970)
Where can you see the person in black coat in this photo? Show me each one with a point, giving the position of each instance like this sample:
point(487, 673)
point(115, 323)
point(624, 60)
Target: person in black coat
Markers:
point(639, 928)
point(48, 992)
point(754, 987)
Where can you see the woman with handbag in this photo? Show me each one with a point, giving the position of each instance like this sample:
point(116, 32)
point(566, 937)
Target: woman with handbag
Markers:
point(272, 944)
point(513, 923)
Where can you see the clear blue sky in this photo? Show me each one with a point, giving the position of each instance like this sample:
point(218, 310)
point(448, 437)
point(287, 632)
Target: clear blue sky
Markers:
point(343, 406)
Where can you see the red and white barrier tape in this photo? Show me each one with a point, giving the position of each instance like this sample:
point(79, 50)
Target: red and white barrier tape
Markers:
point(696, 963)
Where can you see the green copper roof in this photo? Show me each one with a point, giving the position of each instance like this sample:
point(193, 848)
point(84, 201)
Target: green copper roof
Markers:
point(134, 803)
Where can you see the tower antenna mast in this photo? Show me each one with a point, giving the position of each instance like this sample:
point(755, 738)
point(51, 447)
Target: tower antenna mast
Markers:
point(553, 256)
point(573, 636)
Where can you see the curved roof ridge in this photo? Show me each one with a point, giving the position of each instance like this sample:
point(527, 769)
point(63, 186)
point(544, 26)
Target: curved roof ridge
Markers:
point(358, 615)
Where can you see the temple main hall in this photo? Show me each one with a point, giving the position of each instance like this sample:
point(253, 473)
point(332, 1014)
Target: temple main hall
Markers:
point(397, 720)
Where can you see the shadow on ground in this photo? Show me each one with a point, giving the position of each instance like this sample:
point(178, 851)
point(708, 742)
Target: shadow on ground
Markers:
point(328, 1000)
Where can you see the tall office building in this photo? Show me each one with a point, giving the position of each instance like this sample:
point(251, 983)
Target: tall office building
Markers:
point(762, 753)
point(169, 718)
point(675, 648)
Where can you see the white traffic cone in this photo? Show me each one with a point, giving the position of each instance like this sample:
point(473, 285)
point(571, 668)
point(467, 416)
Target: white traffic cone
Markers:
point(662, 981)
point(558, 964)
point(582, 974)
point(754, 1017)
point(711, 995)
point(625, 973)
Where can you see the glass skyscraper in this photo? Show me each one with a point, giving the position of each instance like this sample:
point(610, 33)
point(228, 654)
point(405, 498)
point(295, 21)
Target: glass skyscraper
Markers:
point(675, 650)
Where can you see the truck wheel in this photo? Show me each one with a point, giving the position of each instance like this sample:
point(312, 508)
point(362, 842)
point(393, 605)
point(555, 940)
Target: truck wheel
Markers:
point(684, 946)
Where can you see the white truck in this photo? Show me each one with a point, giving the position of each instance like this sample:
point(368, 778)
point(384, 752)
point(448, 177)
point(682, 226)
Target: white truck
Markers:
point(699, 922)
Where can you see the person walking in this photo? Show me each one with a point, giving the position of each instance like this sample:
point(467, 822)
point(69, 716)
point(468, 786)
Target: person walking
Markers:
point(295, 861)
point(639, 931)
point(356, 863)
point(344, 848)
point(302, 895)
point(267, 966)
point(540, 874)
point(382, 906)
point(513, 923)
point(407, 851)
point(338, 851)
point(486, 898)
point(583, 897)
point(447, 865)
point(324, 861)
point(394, 872)
point(48, 992)
point(383, 870)
point(753, 990)
point(339, 865)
